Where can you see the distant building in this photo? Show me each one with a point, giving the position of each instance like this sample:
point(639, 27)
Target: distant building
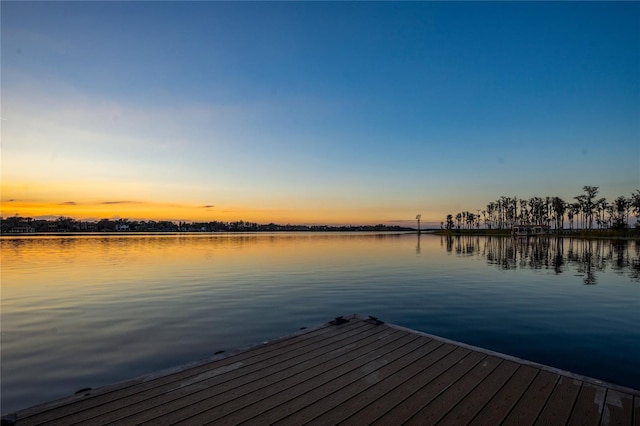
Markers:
point(22, 230)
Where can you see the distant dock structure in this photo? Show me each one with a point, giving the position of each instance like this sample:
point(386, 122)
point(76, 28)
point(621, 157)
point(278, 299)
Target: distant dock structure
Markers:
point(529, 230)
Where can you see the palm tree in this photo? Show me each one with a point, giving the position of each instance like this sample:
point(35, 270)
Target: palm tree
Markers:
point(470, 219)
point(635, 205)
point(491, 212)
point(621, 205)
point(580, 206)
point(601, 207)
point(574, 210)
point(591, 192)
point(547, 210)
point(536, 206)
point(513, 210)
point(503, 203)
point(559, 207)
point(524, 214)
point(449, 221)
point(611, 213)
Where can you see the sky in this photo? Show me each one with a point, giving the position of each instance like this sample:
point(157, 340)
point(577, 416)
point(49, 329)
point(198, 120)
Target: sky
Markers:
point(313, 112)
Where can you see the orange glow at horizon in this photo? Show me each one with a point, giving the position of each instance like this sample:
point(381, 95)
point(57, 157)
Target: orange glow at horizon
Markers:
point(100, 200)
point(136, 210)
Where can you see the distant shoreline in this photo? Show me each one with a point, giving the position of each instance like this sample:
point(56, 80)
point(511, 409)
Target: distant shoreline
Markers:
point(65, 225)
point(136, 233)
point(632, 234)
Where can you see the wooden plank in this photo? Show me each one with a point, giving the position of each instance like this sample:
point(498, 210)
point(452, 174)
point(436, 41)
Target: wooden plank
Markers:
point(374, 411)
point(530, 405)
point(372, 380)
point(559, 405)
point(506, 398)
point(290, 400)
point(463, 412)
point(588, 407)
point(419, 399)
point(174, 402)
point(311, 403)
point(442, 404)
point(618, 409)
point(342, 411)
point(52, 411)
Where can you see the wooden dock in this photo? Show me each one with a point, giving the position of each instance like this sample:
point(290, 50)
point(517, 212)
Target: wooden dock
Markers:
point(355, 371)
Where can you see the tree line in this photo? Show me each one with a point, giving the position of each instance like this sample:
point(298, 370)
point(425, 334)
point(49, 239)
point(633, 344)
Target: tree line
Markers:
point(585, 211)
point(20, 225)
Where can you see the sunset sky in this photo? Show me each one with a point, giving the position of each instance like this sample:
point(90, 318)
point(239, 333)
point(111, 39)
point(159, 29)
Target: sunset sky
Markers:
point(336, 113)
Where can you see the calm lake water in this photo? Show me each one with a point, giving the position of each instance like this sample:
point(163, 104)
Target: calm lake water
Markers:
point(87, 311)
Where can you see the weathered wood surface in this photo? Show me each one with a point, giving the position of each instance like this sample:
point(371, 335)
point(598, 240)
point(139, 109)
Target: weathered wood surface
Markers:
point(355, 373)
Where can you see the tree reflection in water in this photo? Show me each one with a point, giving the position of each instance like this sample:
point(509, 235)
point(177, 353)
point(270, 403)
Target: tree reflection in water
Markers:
point(583, 256)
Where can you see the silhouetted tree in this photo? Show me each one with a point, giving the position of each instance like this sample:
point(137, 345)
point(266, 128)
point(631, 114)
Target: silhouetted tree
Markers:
point(559, 207)
point(589, 205)
point(601, 208)
point(621, 205)
point(635, 206)
point(449, 221)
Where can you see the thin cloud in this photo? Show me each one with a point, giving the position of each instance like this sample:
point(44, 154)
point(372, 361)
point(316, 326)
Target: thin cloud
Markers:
point(119, 202)
point(208, 206)
point(69, 203)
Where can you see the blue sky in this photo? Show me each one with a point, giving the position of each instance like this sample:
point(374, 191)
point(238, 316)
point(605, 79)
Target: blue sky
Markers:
point(314, 112)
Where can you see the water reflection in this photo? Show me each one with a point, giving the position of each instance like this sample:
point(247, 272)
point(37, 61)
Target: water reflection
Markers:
point(93, 310)
point(561, 255)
